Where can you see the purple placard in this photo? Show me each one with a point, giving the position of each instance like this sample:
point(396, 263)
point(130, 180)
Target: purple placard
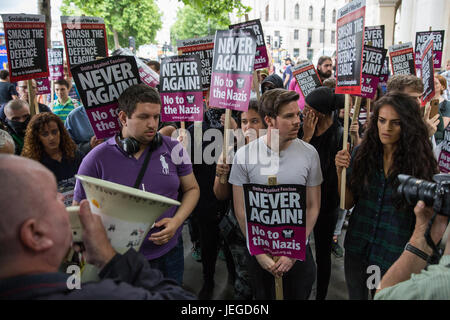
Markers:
point(104, 120)
point(373, 61)
point(276, 220)
point(181, 88)
point(444, 156)
point(100, 83)
point(261, 58)
point(55, 63)
point(43, 86)
point(231, 79)
point(438, 46)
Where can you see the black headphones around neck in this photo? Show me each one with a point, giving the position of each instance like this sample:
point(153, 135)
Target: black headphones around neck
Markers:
point(131, 146)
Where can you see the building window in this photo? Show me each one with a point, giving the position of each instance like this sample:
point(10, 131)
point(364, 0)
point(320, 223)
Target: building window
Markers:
point(296, 52)
point(310, 54)
point(333, 37)
point(267, 13)
point(295, 34)
point(322, 15)
point(334, 16)
point(322, 35)
point(310, 13)
point(277, 13)
point(309, 37)
point(297, 12)
point(277, 33)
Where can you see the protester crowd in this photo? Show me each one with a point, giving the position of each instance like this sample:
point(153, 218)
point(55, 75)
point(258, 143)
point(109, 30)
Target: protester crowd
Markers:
point(397, 136)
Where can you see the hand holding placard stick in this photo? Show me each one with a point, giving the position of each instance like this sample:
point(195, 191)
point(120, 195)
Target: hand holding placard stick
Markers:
point(272, 181)
point(344, 147)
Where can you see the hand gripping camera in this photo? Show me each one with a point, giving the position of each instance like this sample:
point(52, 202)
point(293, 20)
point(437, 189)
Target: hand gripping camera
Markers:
point(435, 194)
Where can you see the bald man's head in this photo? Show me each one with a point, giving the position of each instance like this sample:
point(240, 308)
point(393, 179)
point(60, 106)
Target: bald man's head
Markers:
point(28, 192)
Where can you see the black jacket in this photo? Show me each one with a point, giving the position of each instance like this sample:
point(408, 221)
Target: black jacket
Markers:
point(127, 276)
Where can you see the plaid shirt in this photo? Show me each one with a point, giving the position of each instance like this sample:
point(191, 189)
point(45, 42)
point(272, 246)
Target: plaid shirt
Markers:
point(378, 232)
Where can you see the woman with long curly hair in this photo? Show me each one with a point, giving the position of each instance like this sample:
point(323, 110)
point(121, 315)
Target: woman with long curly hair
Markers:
point(396, 142)
point(47, 141)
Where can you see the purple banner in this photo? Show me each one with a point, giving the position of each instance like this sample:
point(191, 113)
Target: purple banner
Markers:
point(104, 120)
point(231, 80)
point(43, 86)
point(261, 58)
point(181, 88)
point(276, 220)
point(55, 63)
point(444, 156)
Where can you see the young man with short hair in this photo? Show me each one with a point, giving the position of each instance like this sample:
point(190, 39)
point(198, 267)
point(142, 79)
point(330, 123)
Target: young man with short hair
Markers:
point(293, 161)
point(64, 104)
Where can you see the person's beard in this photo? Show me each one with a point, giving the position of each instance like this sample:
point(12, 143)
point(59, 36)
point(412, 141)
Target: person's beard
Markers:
point(324, 75)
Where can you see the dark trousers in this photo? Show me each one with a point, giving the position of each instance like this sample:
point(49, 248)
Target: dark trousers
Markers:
point(356, 277)
point(172, 263)
point(323, 237)
point(297, 283)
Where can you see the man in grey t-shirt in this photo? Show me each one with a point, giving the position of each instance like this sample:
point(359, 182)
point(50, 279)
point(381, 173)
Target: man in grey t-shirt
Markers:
point(293, 161)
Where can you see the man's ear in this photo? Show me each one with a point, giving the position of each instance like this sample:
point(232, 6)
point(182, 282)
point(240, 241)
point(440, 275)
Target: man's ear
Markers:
point(269, 121)
point(33, 237)
point(122, 118)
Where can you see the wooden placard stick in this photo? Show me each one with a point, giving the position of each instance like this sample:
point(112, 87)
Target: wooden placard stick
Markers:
point(344, 147)
point(34, 109)
point(182, 123)
point(272, 181)
point(355, 117)
point(368, 107)
point(256, 84)
point(223, 178)
point(52, 93)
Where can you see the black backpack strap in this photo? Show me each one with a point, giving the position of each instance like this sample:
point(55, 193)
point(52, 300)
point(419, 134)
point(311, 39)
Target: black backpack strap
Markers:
point(143, 169)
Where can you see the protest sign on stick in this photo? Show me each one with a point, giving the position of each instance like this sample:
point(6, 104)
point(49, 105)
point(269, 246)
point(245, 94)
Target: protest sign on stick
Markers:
point(43, 86)
point(276, 220)
point(350, 44)
point(26, 44)
point(427, 72)
point(84, 39)
point(374, 36)
point(373, 61)
point(204, 48)
point(402, 59)
point(261, 58)
point(307, 77)
point(422, 39)
point(100, 83)
point(55, 63)
point(181, 88)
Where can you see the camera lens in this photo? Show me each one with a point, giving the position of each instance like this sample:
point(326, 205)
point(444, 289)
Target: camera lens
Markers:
point(413, 190)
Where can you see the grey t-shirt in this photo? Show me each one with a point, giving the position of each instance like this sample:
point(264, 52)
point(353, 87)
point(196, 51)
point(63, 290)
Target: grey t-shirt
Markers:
point(298, 164)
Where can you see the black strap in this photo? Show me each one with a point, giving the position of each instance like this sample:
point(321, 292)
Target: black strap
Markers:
point(143, 169)
point(409, 247)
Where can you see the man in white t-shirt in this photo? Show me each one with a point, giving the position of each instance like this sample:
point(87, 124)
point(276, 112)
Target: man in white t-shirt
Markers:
point(293, 161)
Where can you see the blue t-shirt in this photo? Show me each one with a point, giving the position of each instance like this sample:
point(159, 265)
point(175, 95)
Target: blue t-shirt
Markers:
point(109, 162)
point(288, 71)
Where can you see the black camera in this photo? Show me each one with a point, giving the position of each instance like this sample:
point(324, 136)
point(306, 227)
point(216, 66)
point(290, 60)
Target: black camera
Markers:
point(436, 194)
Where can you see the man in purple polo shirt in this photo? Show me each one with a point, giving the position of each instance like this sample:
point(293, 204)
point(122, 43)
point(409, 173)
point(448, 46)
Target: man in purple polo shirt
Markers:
point(139, 110)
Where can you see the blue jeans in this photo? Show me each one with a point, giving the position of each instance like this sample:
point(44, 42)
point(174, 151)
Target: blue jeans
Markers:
point(172, 263)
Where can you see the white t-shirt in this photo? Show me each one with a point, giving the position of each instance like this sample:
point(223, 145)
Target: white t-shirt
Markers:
point(298, 164)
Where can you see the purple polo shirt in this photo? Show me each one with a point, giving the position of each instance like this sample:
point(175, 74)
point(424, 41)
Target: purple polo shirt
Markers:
point(109, 162)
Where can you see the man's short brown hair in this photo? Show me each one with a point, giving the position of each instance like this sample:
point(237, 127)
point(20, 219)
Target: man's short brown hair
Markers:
point(272, 101)
point(401, 82)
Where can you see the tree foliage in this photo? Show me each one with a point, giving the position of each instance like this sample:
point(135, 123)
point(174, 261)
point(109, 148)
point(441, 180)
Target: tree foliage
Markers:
point(138, 18)
point(213, 8)
point(191, 23)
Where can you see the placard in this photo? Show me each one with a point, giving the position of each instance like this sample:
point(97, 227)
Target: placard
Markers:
point(374, 36)
point(427, 72)
point(56, 63)
point(26, 44)
point(350, 44)
point(100, 83)
point(444, 155)
point(276, 220)
point(307, 77)
point(232, 76)
point(384, 75)
point(262, 58)
point(373, 61)
point(84, 39)
point(402, 59)
point(181, 88)
point(43, 86)
point(438, 45)
point(204, 48)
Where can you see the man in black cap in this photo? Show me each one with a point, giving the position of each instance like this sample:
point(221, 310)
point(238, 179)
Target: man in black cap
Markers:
point(321, 129)
point(287, 74)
